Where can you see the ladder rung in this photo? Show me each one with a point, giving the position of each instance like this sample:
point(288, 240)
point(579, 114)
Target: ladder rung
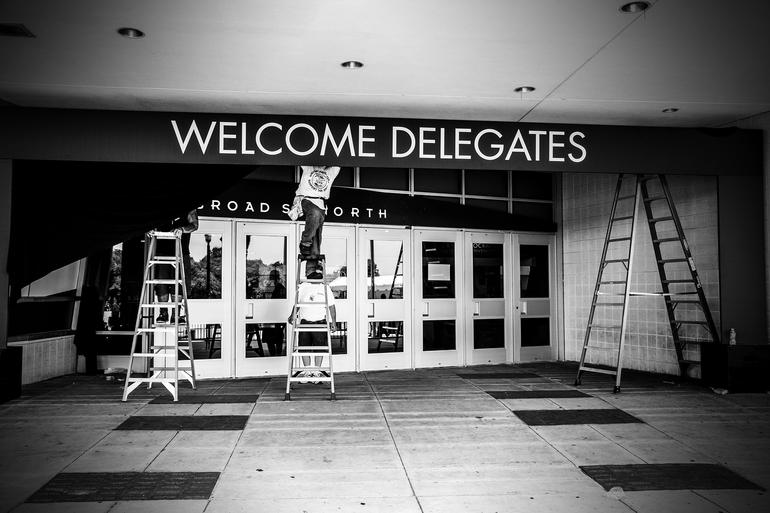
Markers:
point(162, 305)
point(621, 218)
point(161, 369)
point(690, 362)
point(609, 304)
point(315, 349)
point(311, 328)
point(665, 239)
point(686, 301)
point(704, 323)
point(310, 303)
point(156, 329)
point(692, 341)
point(619, 239)
point(660, 219)
point(308, 280)
point(599, 370)
point(612, 282)
point(603, 327)
point(678, 281)
point(153, 355)
point(615, 260)
point(630, 196)
point(163, 235)
point(654, 198)
point(164, 282)
point(671, 260)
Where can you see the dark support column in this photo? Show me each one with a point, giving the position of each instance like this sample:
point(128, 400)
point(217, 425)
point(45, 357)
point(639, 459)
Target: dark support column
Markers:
point(742, 259)
point(5, 238)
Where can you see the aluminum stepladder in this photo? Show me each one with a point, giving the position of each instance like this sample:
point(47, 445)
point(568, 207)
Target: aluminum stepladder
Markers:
point(680, 283)
point(296, 366)
point(162, 342)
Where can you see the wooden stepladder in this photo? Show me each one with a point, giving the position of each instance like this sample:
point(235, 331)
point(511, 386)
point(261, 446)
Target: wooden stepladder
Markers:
point(688, 312)
point(162, 341)
point(304, 364)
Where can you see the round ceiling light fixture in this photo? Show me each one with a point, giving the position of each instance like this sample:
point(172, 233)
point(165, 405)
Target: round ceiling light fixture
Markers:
point(524, 89)
point(670, 110)
point(131, 33)
point(352, 64)
point(634, 7)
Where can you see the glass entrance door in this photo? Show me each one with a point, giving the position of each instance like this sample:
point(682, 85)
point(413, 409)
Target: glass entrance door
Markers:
point(210, 298)
point(385, 308)
point(488, 330)
point(534, 312)
point(265, 266)
point(338, 245)
point(437, 316)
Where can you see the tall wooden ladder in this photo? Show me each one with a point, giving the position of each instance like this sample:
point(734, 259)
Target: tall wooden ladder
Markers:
point(688, 312)
point(162, 344)
point(303, 367)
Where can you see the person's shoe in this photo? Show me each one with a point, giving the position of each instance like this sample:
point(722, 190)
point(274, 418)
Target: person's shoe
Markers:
point(162, 317)
point(316, 374)
point(315, 275)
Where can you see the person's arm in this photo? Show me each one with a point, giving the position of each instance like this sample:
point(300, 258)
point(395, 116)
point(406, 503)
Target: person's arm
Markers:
point(189, 224)
point(333, 312)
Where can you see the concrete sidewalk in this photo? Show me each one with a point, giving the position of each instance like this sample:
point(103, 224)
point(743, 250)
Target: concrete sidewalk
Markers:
point(434, 441)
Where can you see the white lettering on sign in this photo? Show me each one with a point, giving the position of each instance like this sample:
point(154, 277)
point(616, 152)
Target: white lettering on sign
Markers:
point(232, 206)
point(249, 207)
point(264, 207)
point(420, 142)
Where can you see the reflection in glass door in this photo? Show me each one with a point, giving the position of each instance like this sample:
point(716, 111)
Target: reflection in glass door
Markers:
point(534, 314)
point(210, 298)
point(487, 328)
point(265, 273)
point(437, 317)
point(385, 322)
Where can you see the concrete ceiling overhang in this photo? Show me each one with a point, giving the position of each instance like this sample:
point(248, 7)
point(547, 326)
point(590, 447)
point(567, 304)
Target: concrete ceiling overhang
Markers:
point(444, 59)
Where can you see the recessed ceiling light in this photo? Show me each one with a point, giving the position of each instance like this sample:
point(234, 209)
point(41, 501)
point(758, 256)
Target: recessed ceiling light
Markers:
point(352, 64)
point(634, 7)
point(670, 110)
point(524, 89)
point(131, 33)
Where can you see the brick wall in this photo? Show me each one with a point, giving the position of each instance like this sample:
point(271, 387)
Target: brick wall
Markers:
point(586, 202)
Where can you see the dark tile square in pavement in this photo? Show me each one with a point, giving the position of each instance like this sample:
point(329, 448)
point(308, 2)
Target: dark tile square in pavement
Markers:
point(669, 476)
point(208, 399)
point(498, 375)
point(184, 422)
point(126, 486)
point(562, 417)
point(536, 394)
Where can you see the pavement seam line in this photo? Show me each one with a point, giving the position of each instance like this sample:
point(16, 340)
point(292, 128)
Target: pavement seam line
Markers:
point(176, 433)
point(395, 445)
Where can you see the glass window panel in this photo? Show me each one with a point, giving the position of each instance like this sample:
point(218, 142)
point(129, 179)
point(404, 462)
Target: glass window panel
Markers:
point(487, 270)
point(340, 339)
point(386, 280)
point(535, 211)
point(486, 183)
point(396, 179)
point(535, 332)
point(438, 180)
point(488, 333)
point(438, 335)
point(206, 341)
point(533, 270)
point(496, 205)
point(205, 265)
point(445, 199)
point(336, 271)
point(273, 173)
point(265, 340)
point(438, 269)
point(265, 267)
point(532, 185)
point(386, 337)
point(345, 178)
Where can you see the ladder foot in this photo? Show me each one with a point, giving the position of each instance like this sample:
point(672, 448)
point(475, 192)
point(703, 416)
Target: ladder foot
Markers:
point(287, 397)
point(616, 390)
point(333, 397)
point(577, 382)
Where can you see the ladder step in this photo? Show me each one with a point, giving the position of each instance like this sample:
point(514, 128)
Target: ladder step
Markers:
point(679, 281)
point(308, 280)
point(660, 219)
point(621, 218)
point(686, 301)
point(311, 328)
point(161, 305)
point(693, 341)
point(630, 196)
point(153, 355)
point(690, 362)
point(654, 198)
point(671, 260)
point(665, 239)
point(164, 282)
point(612, 282)
point(619, 239)
point(181, 368)
point(603, 327)
point(315, 349)
point(609, 304)
point(703, 323)
point(598, 370)
point(615, 260)
point(311, 303)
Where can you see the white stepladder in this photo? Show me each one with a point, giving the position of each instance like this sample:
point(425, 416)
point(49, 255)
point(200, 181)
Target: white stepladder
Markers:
point(165, 346)
point(296, 352)
point(688, 312)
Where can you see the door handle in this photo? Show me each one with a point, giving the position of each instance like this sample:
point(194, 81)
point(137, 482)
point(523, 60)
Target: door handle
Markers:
point(476, 308)
point(371, 310)
point(523, 308)
point(425, 309)
point(250, 310)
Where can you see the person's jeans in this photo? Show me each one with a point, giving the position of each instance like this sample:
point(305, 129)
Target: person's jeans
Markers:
point(314, 223)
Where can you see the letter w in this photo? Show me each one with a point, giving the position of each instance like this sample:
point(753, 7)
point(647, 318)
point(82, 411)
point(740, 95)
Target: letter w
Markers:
point(193, 130)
